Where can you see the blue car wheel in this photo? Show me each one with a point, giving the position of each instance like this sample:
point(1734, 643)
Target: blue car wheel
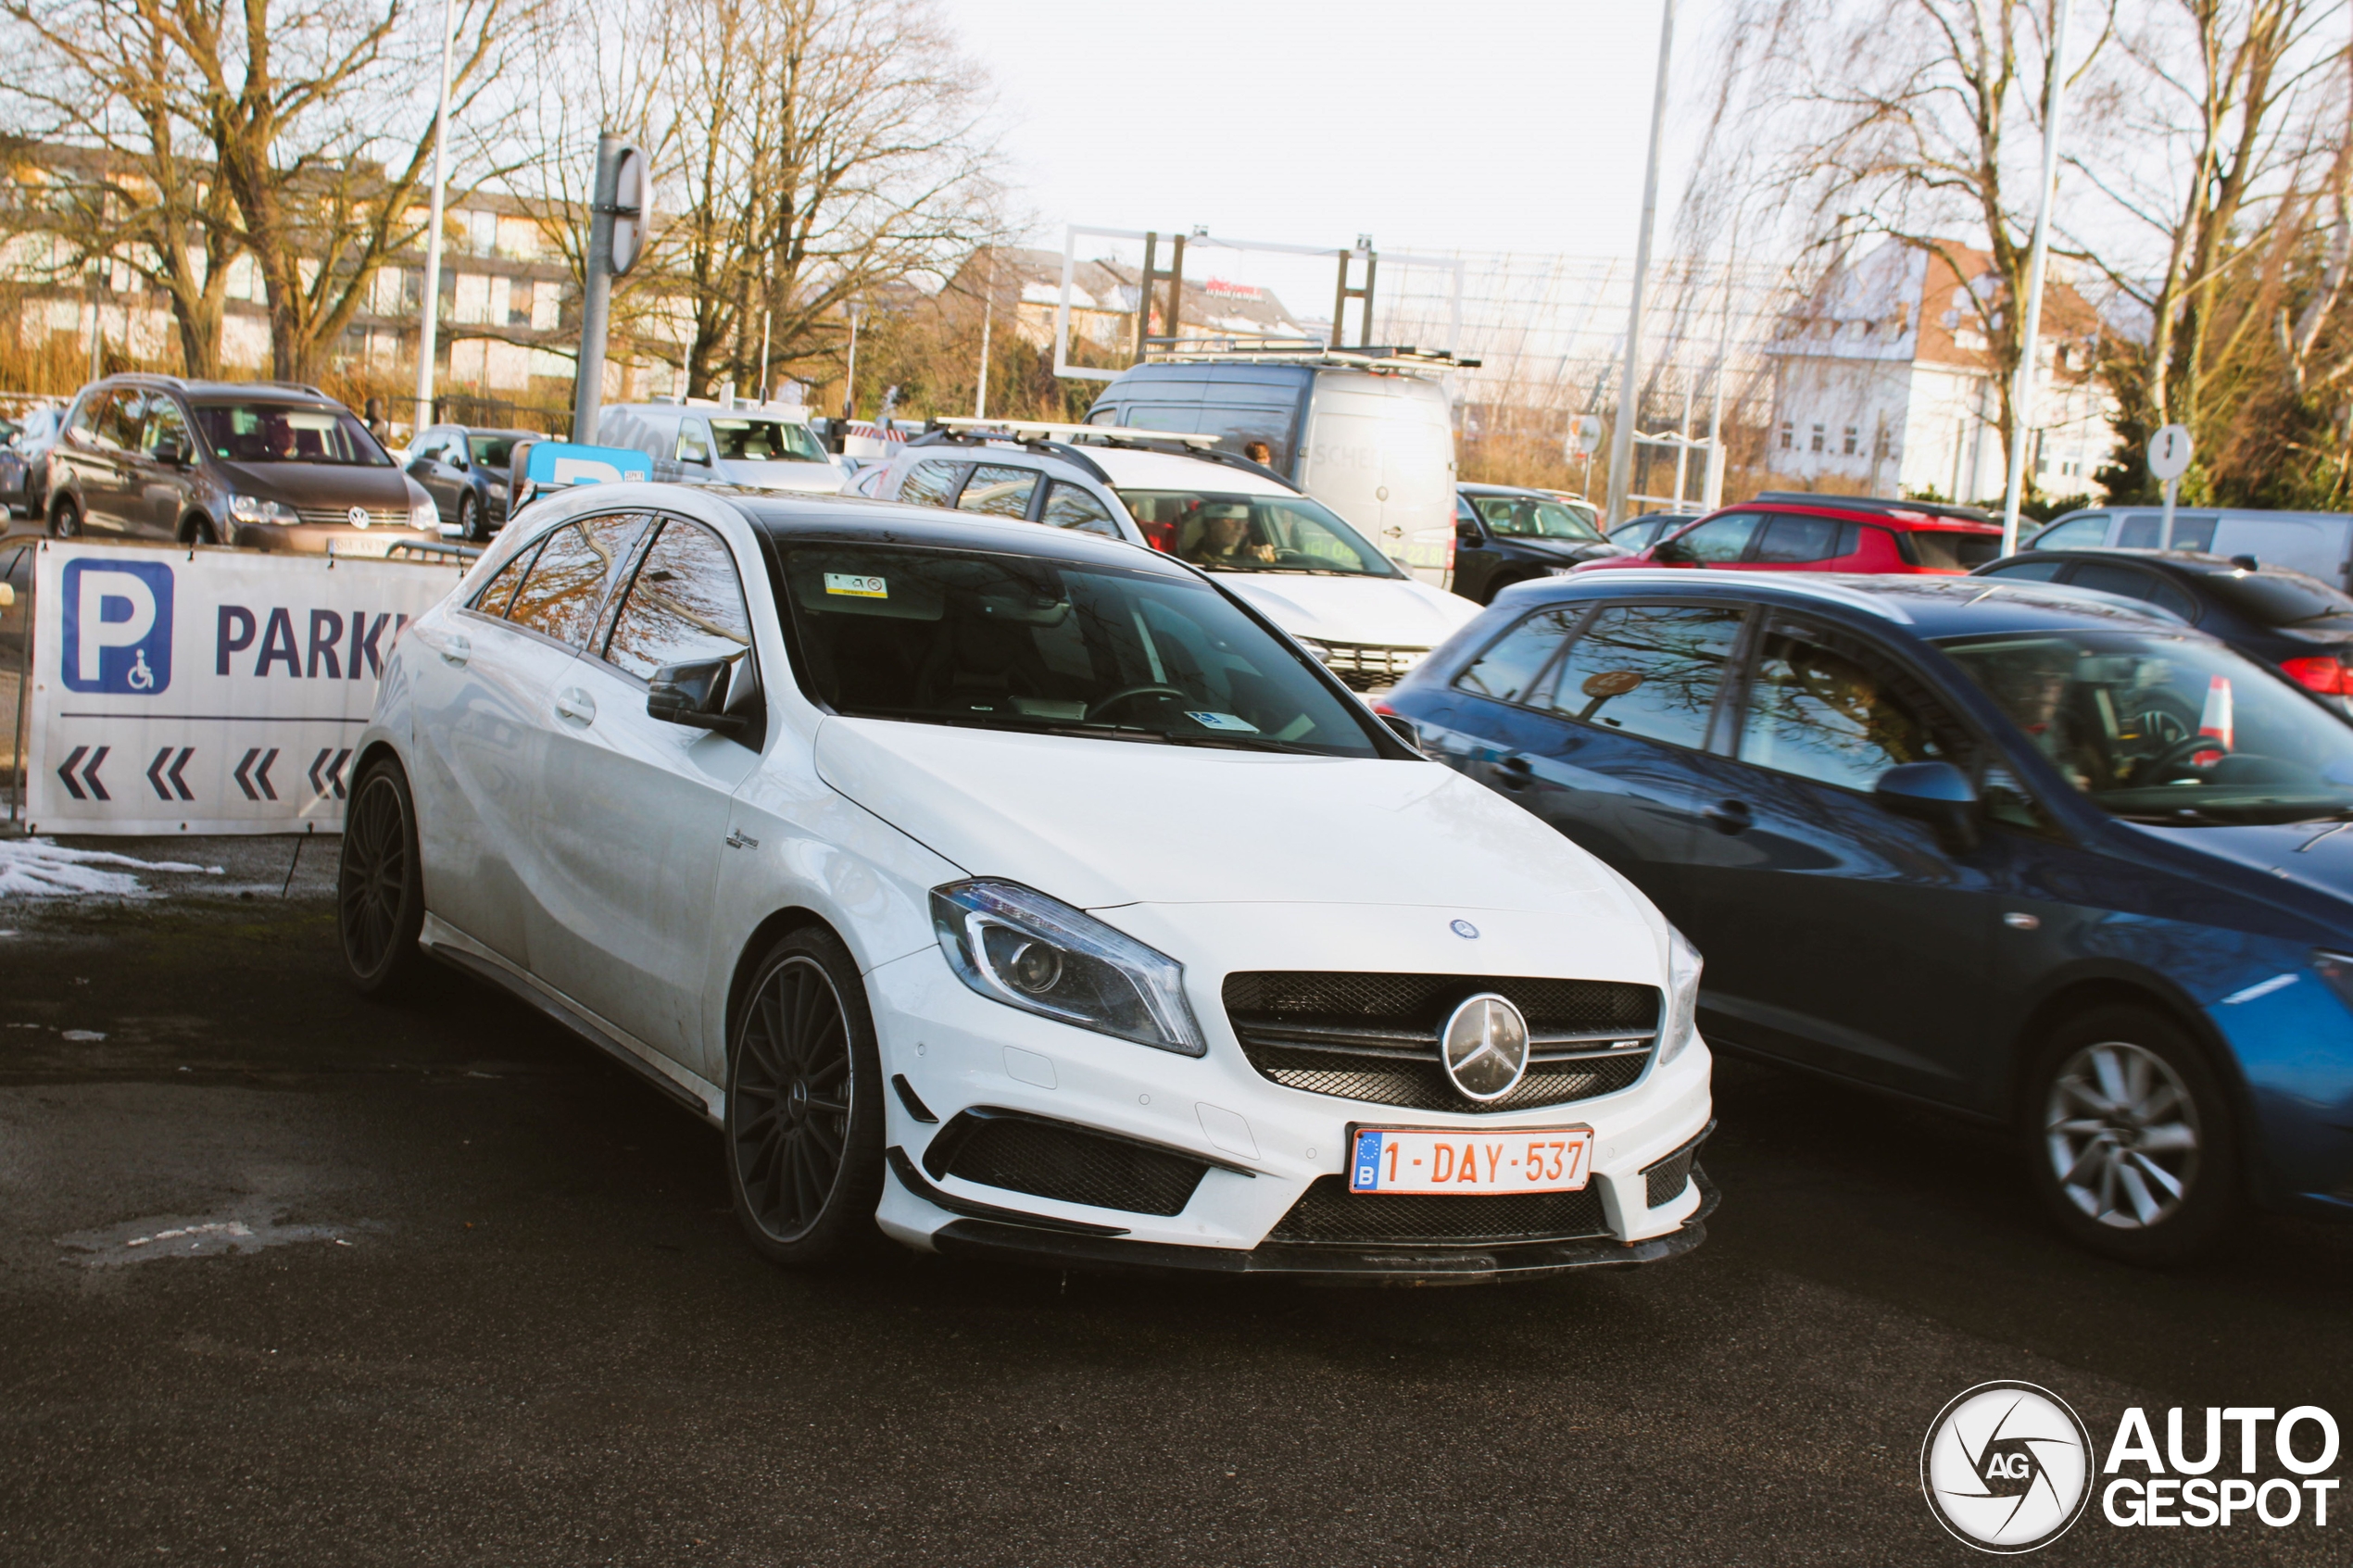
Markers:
point(2133, 1145)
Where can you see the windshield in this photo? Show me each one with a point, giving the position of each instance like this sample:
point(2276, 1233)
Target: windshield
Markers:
point(492, 451)
point(1019, 643)
point(2279, 598)
point(766, 441)
point(1525, 516)
point(2167, 728)
point(1234, 532)
point(287, 433)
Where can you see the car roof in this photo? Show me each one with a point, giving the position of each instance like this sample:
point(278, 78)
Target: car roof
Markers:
point(855, 518)
point(2188, 565)
point(1474, 487)
point(245, 392)
point(1929, 607)
point(1914, 514)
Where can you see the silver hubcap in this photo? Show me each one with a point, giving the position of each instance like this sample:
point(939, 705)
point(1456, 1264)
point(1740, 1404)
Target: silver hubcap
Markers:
point(2123, 1135)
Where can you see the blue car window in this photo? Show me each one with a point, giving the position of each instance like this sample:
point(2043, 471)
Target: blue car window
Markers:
point(1822, 714)
point(1509, 669)
point(1651, 671)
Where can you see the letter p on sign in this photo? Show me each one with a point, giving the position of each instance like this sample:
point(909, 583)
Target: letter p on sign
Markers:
point(116, 627)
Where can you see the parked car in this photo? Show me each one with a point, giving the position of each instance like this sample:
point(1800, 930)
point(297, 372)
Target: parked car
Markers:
point(1022, 892)
point(2044, 856)
point(1295, 561)
point(765, 446)
point(1504, 535)
point(1795, 532)
point(1377, 446)
point(266, 466)
point(1644, 531)
point(2320, 544)
point(2280, 616)
point(466, 470)
point(24, 460)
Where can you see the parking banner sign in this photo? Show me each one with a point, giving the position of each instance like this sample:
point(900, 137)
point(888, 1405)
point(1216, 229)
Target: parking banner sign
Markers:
point(205, 690)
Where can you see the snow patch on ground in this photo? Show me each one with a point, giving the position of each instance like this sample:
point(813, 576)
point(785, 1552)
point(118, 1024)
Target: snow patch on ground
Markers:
point(43, 868)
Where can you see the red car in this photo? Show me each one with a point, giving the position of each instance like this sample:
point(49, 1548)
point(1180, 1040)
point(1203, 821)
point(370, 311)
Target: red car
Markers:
point(1790, 532)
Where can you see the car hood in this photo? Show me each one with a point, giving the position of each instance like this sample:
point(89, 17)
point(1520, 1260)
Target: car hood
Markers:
point(1102, 823)
point(1385, 612)
point(2304, 853)
point(319, 484)
point(1566, 550)
point(805, 477)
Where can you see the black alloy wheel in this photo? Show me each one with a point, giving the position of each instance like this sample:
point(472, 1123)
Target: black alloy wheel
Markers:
point(380, 899)
point(2131, 1139)
point(65, 521)
point(469, 527)
point(804, 1105)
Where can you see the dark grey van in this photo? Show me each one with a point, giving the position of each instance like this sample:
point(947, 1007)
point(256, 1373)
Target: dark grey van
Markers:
point(2319, 544)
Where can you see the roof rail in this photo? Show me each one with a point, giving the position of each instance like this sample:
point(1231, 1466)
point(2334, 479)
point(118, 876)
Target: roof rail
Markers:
point(1301, 351)
point(1878, 504)
point(1201, 446)
point(1047, 430)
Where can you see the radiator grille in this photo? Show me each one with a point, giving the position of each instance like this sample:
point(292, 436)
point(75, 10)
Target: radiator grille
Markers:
point(1328, 1212)
point(1373, 1037)
point(1052, 1160)
point(340, 516)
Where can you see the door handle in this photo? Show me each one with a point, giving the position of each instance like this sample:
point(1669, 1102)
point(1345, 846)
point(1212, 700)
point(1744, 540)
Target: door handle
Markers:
point(458, 648)
point(1728, 816)
point(577, 703)
point(1514, 772)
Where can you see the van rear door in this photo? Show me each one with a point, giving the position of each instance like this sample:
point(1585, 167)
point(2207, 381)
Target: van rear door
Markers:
point(2316, 545)
point(1380, 452)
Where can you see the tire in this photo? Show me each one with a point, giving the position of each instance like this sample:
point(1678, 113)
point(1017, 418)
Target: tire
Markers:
point(469, 527)
point(2133, 1143)
point(380, 897)
point(804, 1126)
point(65, 520)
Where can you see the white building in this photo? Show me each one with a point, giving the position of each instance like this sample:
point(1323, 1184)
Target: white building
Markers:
point(1883, 383)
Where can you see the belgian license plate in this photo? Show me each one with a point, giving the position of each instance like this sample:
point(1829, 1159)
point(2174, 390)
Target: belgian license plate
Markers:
point(1427, 1159)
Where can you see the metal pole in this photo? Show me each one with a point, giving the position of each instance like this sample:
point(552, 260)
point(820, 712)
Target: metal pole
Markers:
point(767, 314)
point(428, 328)
point(2164, 540)
point(2022, 386)
point(980, 396)
point(1621, 437)
point(23, 770)
point(595, 302)
point(849, 377)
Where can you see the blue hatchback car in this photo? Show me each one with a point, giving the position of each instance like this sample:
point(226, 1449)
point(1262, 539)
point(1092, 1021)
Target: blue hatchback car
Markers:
point(2034, 854)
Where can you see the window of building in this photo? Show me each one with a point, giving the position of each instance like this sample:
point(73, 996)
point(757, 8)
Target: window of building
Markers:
point(1789, 434)
point(1848, 450)
point(1818, 437)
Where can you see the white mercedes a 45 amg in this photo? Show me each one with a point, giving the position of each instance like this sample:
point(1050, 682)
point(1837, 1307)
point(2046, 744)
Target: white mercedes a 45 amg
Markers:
point(1022, 893)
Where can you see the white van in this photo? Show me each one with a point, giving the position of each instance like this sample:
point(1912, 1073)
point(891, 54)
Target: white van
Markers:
point(1376, 446)
point(2320, 544)
point(767, 446)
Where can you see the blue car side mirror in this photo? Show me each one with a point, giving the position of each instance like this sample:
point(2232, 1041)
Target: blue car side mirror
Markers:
point(1934, 793)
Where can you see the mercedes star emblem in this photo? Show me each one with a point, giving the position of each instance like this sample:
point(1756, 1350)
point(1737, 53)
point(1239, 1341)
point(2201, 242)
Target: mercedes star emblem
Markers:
point(1485, 1045)
point(1464, 930)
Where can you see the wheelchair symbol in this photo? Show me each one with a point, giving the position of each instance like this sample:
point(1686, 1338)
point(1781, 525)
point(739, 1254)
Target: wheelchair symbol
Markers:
point(140, 678)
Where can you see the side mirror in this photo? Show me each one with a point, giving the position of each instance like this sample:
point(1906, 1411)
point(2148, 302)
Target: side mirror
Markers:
point(1404, 728)
point(1934, 793)
point(694, 694)
point(1466, 533)
point(171, 452)
point(1673, 552)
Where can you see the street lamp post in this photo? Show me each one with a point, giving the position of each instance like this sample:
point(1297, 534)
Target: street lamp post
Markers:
point(1621, 438)
point(2038, 258)
point(427, 328)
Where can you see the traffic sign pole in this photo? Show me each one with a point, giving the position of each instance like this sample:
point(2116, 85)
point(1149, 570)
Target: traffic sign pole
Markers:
point(619, 217)
point(2169, 458)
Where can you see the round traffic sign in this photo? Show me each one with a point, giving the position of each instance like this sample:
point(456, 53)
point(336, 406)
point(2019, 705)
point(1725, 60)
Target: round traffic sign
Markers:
point(2170, 452)
point(632, 200)
point(1587, 436)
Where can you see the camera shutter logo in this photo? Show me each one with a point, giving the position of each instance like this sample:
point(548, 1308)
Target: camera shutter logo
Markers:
point(2006, 1467)
point(117, 626)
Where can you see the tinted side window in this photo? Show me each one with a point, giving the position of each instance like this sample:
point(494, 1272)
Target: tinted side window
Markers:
point(1236, 427)
point(566, 584)
point(685, 604)
point(2030, 570)
point(116, 423)
point(999, 490)
point(694, 444)
point(163, 423)
point(1508, 670)
point(2139, 532)
point(1068, 506)
point(1651, 671)
point(2075, 533)
point(1831, 714)
point(500, 590)
point(1720, 539)
point(933, 484)
point(1792, 539)
point(2109, 577)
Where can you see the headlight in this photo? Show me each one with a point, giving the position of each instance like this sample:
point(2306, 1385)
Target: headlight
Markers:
point(1020, 947)
point(252, 508)
point(498, 488)
point(422, 515)
point(1682, 997)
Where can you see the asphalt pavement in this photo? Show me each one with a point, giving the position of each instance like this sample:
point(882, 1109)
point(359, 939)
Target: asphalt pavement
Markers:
point(287, 1276)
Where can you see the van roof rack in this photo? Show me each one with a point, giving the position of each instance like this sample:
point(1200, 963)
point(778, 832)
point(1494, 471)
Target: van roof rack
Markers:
point(1058, 441)
point(1301, 351)
point(1878, 504)
point(1047, 430)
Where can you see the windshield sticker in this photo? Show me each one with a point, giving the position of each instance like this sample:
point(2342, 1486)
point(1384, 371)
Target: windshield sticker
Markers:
point(1225, 721)
point(855, 586)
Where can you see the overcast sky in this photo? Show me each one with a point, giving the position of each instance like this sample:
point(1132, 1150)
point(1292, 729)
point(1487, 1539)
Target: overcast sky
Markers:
point(1436, 125)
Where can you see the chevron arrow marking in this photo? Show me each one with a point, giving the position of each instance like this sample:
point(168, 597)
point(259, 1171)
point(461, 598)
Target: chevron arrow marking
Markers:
point(178, 768)
point(261, 773)
point(242, 769)
point(90, 773)
point(155, 774)
point(65, 772)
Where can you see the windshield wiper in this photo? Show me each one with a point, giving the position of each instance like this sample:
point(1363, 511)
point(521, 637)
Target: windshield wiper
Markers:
point(1244, 742)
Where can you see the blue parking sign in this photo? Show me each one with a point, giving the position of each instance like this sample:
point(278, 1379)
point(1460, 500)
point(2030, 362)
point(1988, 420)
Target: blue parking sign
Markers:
point(116, 627)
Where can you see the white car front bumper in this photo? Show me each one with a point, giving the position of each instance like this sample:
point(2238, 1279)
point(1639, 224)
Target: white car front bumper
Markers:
point(964, 1058)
